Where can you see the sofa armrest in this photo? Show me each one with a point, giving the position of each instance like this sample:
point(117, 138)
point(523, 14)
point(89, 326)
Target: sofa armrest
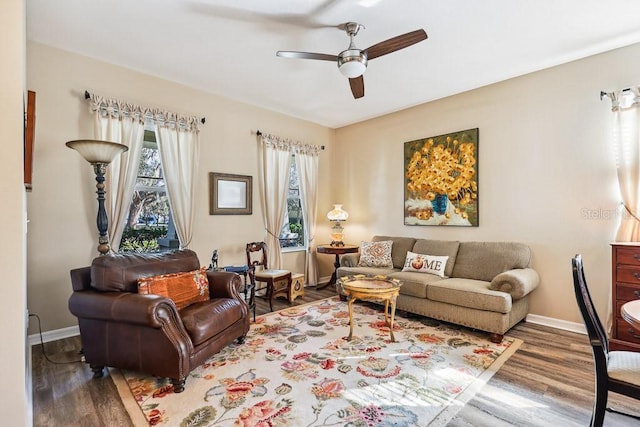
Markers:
point(123, 307)
point(518, 282)
point(349, 260)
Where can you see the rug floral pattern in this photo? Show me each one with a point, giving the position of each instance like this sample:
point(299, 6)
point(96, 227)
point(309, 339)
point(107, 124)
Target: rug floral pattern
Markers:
point(297, 369)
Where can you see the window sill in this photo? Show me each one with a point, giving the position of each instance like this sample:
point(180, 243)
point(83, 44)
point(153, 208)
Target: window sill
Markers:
point(295, 249)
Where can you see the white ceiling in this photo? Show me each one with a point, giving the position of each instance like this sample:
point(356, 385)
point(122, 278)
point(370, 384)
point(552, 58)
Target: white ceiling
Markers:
point(227, 47)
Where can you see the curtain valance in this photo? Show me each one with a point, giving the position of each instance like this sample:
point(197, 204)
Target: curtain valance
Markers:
point(287, 144)
point(118, 109)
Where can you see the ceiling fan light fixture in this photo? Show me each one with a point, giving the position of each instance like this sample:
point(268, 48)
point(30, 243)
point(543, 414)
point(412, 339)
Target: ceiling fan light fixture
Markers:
point(352, 63)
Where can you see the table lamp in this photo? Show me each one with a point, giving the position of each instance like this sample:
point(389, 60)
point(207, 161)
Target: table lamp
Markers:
point(99, 154)
point(337, 215)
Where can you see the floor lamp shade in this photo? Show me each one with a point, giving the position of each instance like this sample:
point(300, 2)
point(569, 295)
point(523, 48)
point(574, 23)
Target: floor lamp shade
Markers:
point(99, 154)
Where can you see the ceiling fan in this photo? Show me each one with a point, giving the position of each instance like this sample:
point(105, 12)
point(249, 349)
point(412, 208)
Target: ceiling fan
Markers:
point(352, 62)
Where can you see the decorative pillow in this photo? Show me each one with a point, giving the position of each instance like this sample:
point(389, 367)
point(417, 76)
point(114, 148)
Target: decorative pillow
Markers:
point(425, 263)
point(183, 288)
point(376, 254)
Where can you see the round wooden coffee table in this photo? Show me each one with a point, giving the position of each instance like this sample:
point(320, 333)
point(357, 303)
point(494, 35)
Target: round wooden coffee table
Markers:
point(372, 288)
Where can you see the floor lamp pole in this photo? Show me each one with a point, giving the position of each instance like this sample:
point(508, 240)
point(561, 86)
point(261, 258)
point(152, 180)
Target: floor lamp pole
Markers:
point(102, 220)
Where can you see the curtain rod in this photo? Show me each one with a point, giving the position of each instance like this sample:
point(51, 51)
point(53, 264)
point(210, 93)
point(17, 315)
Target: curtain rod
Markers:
point(603, 93)
point(87, 95)
point(259, 133)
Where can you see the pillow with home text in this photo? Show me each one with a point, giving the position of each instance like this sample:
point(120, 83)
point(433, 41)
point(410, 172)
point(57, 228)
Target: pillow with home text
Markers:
point(425, 263)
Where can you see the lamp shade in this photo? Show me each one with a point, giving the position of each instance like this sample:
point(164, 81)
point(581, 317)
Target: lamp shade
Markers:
point(337, 214)
point(95, 151)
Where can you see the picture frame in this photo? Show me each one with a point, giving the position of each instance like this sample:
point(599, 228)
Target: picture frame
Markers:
point(441, 180)
point(29, 132)
point(230, 194)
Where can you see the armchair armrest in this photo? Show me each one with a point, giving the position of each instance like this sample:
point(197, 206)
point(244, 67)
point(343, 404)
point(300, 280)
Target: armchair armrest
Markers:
point(123, 307)
point(349, 260)
point(224, 284)
point(518, 282)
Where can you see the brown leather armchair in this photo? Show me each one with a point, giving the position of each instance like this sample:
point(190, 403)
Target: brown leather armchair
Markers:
point(146, 333)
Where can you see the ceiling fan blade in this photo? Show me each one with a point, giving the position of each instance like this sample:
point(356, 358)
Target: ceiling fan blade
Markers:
point(306, 55)
point(357, 87)
point(395, 43)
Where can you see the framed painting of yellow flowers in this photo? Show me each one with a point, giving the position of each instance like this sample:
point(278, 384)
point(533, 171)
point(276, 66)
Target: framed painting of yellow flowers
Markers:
point(441, 180)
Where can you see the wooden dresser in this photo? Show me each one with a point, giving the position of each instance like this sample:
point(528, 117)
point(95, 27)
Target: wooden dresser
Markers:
point(626, 287)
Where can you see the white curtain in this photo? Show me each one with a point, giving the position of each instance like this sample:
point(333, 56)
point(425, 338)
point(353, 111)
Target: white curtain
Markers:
point(626, 110)
point(275, 162)
point(178, 143)
point(120, 122)
point(307, 160)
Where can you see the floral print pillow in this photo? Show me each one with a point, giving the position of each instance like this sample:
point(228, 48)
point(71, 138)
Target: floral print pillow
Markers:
point(376, 254)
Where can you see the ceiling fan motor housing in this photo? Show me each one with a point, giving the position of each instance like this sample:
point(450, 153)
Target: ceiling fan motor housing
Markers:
point(352, 62)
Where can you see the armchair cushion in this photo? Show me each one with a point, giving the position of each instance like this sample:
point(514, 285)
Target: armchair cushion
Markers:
point(204, 320)
point(183, 288)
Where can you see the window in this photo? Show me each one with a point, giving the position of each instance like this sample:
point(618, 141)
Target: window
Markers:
point(292, 233)
point(149, 226)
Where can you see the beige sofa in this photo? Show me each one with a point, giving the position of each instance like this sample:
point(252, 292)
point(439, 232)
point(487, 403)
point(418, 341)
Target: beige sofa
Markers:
point(486, 284)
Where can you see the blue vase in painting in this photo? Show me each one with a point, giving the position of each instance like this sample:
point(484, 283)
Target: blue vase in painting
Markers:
point(439, 204)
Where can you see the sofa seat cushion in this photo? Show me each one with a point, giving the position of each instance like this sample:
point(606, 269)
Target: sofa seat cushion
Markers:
point(204, 320)
point(469, 293)
point(415, 284)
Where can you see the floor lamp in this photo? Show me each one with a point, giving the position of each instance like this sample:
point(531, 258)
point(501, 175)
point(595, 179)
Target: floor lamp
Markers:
point(99, 154)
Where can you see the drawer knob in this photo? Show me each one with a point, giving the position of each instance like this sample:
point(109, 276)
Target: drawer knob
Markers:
point(636, 256)
point(636, 275)
point(633, 334)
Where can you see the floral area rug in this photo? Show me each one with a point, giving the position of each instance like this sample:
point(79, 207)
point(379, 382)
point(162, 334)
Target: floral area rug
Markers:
point(297, 369)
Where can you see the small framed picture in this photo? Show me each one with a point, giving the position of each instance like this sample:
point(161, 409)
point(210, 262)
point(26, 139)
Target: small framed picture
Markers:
point(230, 194)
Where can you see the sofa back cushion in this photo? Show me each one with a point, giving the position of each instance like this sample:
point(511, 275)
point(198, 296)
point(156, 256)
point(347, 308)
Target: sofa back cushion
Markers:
point(399, 248)
point(120, 272)
point(485, 260)
point(439, 248)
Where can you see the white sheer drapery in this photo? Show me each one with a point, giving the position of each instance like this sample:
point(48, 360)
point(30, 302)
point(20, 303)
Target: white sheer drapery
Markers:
point(179, 152)
point(120, 122)
point(178, 143)
point(626, 129)
point(307, 160)
point(275, 162)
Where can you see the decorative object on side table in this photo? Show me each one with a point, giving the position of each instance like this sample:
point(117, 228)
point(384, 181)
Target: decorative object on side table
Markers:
point(99, 154)
point(337, 251)
point(441, 180)
point(337, 215)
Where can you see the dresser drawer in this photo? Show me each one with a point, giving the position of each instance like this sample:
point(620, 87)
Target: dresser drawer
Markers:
point(625, 332)
point(628, 274)
point(627, 292)
point(628, 256)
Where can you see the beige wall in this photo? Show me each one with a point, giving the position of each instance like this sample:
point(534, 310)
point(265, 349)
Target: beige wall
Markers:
point(544, 158)
point(14, 402)
point(62, 206)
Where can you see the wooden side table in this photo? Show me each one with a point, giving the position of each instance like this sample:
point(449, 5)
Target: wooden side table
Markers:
point(375, 288)
point(337, 251)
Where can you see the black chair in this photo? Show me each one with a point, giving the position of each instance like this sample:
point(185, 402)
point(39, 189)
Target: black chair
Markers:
point(617, 371)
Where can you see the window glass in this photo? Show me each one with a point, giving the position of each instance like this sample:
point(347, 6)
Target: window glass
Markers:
point(149, 219)
point(292, 233)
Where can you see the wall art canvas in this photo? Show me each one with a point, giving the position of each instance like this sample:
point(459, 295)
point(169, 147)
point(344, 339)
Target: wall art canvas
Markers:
point(441, 180)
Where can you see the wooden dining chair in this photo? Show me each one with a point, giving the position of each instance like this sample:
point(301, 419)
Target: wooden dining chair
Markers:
point(278, 282)
point(617, 371)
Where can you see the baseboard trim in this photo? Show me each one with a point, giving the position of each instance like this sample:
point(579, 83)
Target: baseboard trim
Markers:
point(557, 323)
point(565, 325)
point(54, 335)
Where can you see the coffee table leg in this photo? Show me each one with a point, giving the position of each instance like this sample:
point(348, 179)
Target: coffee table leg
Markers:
point(351, 300)
point(393, 314)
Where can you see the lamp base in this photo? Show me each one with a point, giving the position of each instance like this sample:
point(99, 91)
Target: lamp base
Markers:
point(336, 243)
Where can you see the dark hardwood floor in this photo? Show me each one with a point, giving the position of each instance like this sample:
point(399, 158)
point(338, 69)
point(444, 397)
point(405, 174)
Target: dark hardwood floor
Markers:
point(547, 382)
